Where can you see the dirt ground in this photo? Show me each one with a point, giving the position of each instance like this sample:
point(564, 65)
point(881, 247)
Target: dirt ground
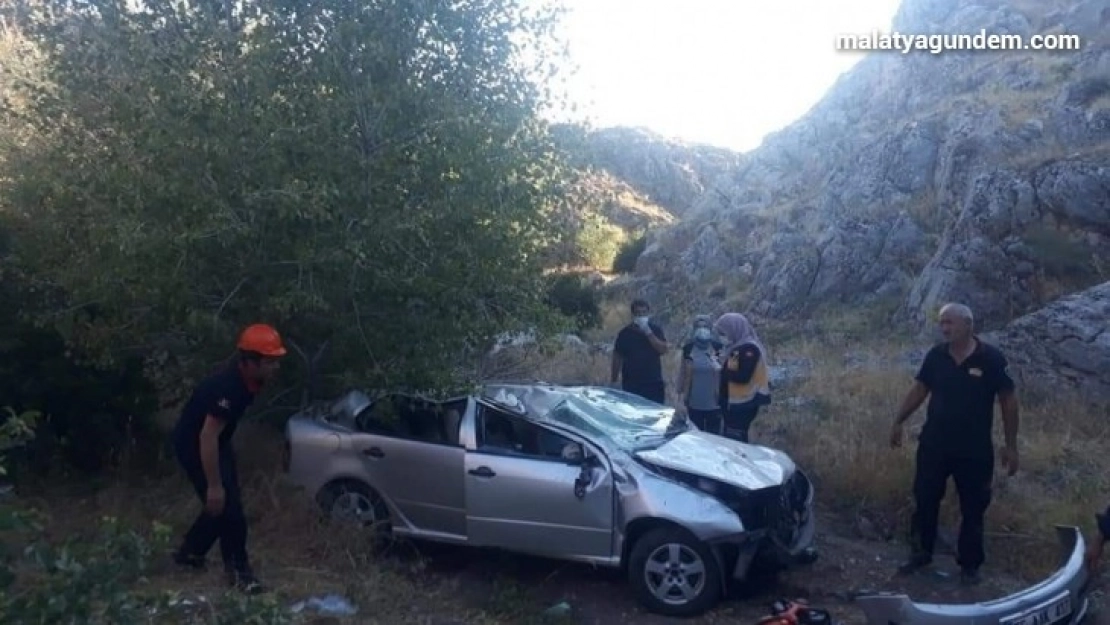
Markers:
point(847, 567)
point(427, 584)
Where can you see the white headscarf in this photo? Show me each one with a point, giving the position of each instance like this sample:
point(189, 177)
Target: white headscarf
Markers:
point(739, 331)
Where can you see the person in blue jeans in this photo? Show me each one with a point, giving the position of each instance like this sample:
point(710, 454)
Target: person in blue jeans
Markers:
point(699, 377)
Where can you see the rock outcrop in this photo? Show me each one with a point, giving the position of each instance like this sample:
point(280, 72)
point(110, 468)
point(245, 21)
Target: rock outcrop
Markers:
point(668, 173)
point(1064, 345)
point(920, 178)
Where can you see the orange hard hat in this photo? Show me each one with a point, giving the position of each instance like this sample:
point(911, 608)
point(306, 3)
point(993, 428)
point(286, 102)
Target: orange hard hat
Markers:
point(262, 339)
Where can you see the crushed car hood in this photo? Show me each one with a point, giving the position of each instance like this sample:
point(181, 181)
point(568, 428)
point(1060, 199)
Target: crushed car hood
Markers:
point(732, 462)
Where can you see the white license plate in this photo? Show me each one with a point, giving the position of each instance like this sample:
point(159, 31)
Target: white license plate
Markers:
point(1050, 611)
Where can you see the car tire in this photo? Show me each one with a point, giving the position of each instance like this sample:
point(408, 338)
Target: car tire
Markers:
point(655, 574)
point(339, 499)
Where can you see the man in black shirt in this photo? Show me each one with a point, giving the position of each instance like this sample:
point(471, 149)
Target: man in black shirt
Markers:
point(202, 443)
point(637, 356)
point(962, 377)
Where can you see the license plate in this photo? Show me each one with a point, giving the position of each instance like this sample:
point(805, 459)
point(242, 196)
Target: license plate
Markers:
point(1050, 611)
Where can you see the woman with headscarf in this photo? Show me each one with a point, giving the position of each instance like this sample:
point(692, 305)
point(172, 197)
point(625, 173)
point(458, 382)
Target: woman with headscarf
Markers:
point(699, 377)
point(744, 380)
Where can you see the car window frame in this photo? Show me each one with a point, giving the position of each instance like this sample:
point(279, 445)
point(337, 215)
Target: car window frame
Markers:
point(482, 407)
point(366, 416)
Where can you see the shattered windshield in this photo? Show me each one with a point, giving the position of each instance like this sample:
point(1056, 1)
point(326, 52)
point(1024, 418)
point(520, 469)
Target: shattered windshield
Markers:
point(628, 421)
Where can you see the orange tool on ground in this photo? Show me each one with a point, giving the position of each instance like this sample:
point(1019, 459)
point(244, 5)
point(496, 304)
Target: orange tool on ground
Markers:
point(795, 613)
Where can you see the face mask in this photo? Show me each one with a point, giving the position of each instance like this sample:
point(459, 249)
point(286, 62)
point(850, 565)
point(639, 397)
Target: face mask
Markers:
point(702, 334)
point(641, 321)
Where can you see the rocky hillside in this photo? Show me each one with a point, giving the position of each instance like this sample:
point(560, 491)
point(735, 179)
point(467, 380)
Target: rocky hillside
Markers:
point(1067, 342)
point(632, 181)
point(670, 174)
point(919, 178)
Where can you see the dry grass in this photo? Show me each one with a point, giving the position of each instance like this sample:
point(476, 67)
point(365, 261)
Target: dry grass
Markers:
point(840, 429)
point(836, 423)
point(293, 551)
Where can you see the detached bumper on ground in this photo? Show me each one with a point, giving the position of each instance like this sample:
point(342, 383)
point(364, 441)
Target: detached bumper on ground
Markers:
point(1058, 600)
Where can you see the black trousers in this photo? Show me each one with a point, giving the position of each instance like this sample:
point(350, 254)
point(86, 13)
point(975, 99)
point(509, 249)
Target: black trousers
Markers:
point(706, 420)
point(973, 476)
point(230, 527)
point(651, 391)
point(738, 420)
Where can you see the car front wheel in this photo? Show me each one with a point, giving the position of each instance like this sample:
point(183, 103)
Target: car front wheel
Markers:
point(674, 574)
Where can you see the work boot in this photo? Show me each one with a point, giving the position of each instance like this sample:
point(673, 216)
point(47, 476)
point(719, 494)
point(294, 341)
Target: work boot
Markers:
point(243, 579)
point(915, 564)
point(189, 561)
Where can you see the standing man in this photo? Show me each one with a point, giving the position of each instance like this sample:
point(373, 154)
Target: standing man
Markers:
point(638, 356)
point(961, 376)
point(202, 442)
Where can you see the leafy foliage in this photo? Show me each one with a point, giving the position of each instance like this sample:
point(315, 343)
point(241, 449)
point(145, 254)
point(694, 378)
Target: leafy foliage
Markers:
point(599, 240)
point(92, 415)
point(570, 295)
point(629, 253)
point(100, 578)
point(372, 174)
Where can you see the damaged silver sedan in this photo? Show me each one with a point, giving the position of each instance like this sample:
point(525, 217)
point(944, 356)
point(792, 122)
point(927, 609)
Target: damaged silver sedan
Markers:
point(585, 474)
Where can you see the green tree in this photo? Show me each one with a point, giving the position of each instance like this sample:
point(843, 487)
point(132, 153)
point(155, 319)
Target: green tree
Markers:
point(369, 173)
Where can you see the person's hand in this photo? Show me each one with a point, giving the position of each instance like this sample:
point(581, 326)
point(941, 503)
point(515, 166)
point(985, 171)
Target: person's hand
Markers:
point(1094, 554)
point(1010, 459)
point(896, 435)
point(214, 501)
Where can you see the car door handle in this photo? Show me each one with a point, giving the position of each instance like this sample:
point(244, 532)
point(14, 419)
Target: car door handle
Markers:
point(373, 452)
point(482, 472)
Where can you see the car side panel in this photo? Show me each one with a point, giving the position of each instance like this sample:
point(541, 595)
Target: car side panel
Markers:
point(313, 451)
point(423, 482)
point(529, 505)
point(642, 495)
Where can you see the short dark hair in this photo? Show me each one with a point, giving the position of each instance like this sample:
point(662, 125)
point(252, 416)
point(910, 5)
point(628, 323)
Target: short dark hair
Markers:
point(639, 303)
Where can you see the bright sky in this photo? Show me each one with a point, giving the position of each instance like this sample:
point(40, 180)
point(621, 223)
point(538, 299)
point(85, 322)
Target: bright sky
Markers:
point(722, 72)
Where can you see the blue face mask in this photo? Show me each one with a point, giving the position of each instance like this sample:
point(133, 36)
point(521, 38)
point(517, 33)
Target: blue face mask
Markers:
point(702, 335)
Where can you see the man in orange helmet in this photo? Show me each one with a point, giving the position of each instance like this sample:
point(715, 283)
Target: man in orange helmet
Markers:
point(202, 442)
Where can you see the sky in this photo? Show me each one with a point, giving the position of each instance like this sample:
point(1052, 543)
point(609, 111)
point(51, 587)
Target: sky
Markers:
point(721, 72)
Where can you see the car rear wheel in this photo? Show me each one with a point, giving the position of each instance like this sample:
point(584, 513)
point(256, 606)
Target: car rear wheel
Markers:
point(349, 501)
point(673, 573)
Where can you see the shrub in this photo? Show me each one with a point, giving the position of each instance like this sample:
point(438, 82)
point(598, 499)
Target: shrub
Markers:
point(100, 578)
point(629, 253)
point(599, 240)
point(571, 296)
point(1061, 256)
point(94, 416)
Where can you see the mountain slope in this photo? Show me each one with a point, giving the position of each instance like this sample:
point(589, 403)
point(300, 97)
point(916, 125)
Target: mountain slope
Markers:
point(919, 178)
point(632, 181)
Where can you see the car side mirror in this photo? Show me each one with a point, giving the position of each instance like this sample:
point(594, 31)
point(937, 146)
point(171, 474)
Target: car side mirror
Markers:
point(573, 454)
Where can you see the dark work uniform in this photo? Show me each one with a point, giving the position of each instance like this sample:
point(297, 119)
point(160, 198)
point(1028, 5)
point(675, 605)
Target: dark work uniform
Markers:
point(641, 365)
point(956, 441)
point(225, 395)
